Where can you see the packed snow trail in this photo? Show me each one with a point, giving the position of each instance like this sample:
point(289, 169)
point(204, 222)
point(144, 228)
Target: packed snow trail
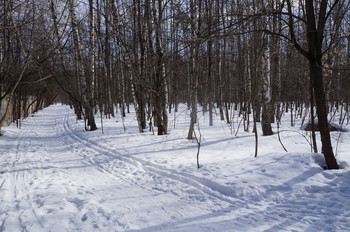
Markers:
point(54, 176)
point(53, 181)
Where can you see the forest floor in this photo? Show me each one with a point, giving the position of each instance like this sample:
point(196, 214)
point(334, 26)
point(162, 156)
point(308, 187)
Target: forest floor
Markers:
point(54, 176)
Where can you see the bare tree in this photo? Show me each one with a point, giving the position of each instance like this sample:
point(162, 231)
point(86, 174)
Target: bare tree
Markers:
point(195, 15)
point(85, 81)
point(161, 95)
point(316, 15)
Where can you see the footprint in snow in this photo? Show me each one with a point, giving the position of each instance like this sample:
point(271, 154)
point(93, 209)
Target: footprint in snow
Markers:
point(78, 203)
point(84, 218)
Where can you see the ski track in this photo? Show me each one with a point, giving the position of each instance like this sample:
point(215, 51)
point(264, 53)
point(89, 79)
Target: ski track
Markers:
point(202, 188)
point(30, 209)
point(57, 179)
point(206, 186)
point(241, 201)
point(15, 182)
point(35, 169)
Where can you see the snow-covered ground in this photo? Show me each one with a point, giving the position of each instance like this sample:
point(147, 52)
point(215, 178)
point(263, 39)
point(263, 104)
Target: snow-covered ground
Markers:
point(54, 176)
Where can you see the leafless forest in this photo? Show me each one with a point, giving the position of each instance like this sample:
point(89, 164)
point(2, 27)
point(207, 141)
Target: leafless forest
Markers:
point(260, 57)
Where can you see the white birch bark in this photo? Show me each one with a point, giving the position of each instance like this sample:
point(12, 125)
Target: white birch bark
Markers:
point(85, 81)
point(128, 63)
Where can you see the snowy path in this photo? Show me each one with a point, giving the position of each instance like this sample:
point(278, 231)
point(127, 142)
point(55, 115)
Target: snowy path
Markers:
point(56, 177)
point(58, 180)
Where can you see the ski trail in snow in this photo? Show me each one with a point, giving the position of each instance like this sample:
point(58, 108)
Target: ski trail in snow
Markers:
point(94, 158)
point(15, 183)
point(40, 164)
point(56, 177)
point(205, 186)
point(133, 171)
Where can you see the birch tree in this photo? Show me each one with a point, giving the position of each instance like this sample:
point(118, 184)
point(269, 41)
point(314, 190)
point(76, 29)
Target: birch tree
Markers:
point(161, 92)
point(85, 81)
point(195, 15)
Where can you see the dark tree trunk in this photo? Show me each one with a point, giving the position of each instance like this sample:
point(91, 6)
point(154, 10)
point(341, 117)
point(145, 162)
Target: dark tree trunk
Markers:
point(315, 28)
point(266, 120)
point(315, 39)
point(317, 81)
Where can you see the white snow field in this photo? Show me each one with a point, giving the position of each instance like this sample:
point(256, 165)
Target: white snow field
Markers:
point(54, 176)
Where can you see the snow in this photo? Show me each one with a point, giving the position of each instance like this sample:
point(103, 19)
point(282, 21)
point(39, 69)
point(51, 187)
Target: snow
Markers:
point(331, 125)
point(54, 176)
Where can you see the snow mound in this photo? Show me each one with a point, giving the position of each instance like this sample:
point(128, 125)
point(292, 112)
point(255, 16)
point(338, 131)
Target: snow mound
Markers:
point(331, 126)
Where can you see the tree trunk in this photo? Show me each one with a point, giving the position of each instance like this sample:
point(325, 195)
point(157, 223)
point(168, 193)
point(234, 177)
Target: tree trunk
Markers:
point(135, 92)
point(321, 104)
point(193, 69)
point(84, 80)
point(315, 27)
point(265, 120)
point(315, 39)
point(161, 100)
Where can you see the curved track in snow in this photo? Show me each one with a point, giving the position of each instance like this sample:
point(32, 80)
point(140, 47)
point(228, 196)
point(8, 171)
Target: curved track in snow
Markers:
point(54, 176)
point(206, 186)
